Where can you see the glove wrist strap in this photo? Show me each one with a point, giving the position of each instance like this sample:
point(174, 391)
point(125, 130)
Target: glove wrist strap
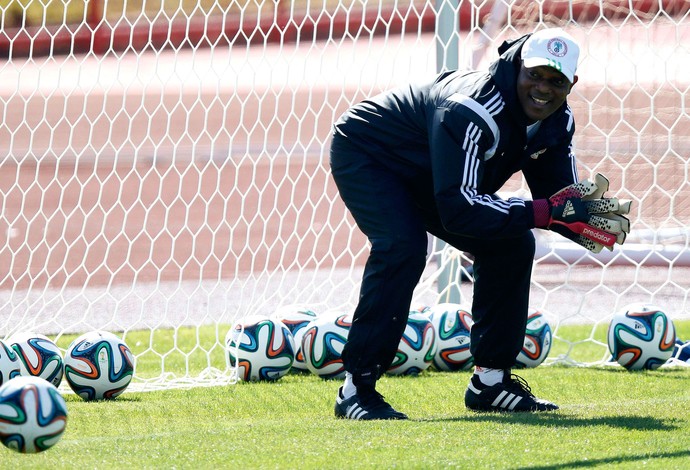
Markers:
point(542, 213)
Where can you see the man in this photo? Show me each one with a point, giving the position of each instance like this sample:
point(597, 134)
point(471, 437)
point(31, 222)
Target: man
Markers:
point(430, 158)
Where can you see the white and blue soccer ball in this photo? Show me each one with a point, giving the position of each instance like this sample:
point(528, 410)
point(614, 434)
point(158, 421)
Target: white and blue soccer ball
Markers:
point(452, 325)
point(417, 346)
point(33, 414)
point(38, 355)
point(296, 318)
point(260, 348)
point(537, 343)
point(323, 342)
point(641, 336)
point(10, 365)
point(98, 366)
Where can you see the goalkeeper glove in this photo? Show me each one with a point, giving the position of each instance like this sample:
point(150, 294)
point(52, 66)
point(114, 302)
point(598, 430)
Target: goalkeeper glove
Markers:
point(581, 213)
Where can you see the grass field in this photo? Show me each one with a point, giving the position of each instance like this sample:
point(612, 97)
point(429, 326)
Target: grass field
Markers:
point(609, 418)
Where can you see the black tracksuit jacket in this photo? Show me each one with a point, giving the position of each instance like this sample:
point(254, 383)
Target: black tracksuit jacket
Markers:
point(464, 135)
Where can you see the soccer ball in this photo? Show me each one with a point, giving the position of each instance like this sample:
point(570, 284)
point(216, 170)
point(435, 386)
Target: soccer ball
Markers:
point(323, 342)
point(296, 318)
point(98, 366)
point(38, 356)
point(10, 366)
point(260, 348)
point(538, 339)
point(641, 337)
point(33, 414)
point(417, 346)
point(452, 324)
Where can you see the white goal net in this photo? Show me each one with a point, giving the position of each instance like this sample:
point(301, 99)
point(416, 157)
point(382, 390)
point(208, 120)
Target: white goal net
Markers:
point(164, 171)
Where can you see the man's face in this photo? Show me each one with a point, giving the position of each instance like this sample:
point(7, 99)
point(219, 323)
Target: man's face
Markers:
point(541, 91)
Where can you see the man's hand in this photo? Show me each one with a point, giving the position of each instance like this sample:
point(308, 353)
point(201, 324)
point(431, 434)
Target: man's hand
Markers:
point(581, 213)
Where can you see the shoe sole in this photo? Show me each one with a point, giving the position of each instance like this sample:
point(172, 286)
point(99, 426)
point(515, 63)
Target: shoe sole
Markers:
point(493, 409)
point(498, 409)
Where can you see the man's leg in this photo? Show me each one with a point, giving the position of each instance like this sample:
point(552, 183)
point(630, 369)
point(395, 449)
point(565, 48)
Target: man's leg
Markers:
point(502, 272)
point(502, 277)
point(383, 210)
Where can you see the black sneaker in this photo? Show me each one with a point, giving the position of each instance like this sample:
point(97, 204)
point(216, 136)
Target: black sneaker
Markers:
point(512, 394)
point(370, 405)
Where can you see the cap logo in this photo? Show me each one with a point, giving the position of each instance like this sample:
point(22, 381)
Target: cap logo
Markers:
point(557, 47)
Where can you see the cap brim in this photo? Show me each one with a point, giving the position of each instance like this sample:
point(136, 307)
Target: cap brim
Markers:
point(540, 61)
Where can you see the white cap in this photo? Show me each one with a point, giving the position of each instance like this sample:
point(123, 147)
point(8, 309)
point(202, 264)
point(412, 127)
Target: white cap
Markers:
point(552, 47)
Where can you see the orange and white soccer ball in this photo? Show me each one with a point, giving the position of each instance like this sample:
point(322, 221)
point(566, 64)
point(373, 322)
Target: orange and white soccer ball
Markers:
point(296, 318)
point(38, 355)
point(641, 336)
point(260, 348)
point(538, 338)
point(98, 366)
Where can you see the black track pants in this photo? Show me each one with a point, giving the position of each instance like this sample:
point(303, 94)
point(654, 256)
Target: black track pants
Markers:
point(390, 216)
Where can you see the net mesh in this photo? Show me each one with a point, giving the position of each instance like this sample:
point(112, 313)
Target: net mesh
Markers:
point(158, 187)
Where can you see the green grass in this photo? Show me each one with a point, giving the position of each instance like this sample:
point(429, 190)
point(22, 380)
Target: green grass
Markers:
point(581, 343)
point(609, 418)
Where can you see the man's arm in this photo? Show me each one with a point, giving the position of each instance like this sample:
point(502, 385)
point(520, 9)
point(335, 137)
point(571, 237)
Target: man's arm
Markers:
point(462, 135)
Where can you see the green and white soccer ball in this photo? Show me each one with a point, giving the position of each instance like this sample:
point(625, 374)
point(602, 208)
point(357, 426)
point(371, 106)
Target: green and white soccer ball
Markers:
point(323, 342)
point(33, 414)
point(10, 365)
point(417, 346)
point(452, 325)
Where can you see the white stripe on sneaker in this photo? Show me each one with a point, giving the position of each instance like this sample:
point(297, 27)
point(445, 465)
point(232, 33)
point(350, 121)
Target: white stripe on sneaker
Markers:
point(355, 412)
point(497, 402)
point(514, 402)
point(506, 400)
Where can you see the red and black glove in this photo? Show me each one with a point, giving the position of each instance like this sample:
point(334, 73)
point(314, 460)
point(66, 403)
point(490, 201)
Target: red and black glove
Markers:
point(581, 213)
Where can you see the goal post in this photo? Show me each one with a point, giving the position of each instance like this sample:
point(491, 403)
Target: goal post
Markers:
point(164, 189)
